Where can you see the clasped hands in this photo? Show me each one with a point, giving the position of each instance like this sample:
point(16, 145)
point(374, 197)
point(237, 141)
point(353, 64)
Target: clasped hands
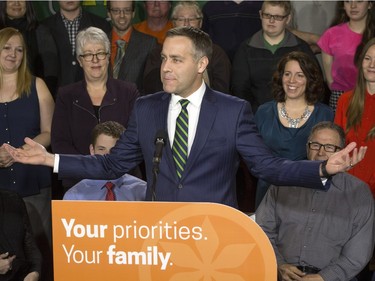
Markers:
point(6, 160)
point(31, 153)
point(289, 272)
point(6, 262)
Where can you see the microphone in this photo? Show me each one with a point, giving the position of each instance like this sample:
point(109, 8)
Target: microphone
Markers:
point(160, 140)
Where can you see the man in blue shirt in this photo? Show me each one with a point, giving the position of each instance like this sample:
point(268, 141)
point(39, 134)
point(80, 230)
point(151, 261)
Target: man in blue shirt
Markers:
point(125, 188)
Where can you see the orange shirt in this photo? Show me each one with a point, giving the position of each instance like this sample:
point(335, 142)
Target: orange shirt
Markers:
point(365, 170)
point(160, 35)
point(115, 37)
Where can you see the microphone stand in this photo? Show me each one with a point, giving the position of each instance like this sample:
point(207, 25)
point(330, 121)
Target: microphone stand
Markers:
point(155, 172)
point(160, 140)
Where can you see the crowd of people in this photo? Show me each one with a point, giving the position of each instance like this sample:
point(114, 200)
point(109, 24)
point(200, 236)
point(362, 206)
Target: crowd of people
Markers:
point(234, 85)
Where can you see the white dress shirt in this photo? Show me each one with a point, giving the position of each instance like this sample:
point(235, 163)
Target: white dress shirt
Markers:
point(193, 108)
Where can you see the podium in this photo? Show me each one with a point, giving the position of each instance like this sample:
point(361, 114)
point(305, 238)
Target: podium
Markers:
point(159, 241)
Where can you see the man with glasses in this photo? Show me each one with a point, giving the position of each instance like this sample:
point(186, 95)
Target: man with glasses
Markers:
point(217, 75)
point(257, 57)
point(328, 235)
point(130, 48)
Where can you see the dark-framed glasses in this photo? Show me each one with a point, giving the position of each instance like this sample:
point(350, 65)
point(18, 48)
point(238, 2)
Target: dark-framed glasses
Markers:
point(327, 147)
point(117, 12)
point(275, 17)
point(188, 20)
point(90, 57)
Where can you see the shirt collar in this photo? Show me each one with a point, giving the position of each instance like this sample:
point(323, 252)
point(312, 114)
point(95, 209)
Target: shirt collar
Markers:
point(77, 18)
point(117, 182)
point(125, 37)
point(195, 98)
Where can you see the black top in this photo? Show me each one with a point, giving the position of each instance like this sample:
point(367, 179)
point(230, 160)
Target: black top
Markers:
point(16, 237)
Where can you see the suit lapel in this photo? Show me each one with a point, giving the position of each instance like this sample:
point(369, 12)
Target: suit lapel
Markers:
point(160, 117)
point(130, 54)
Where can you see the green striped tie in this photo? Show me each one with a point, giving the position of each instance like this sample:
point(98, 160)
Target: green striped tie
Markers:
point(119, 57)
point(180, 143)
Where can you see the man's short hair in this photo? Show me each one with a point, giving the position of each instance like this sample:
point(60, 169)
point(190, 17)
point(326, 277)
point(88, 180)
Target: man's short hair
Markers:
point(201, 40)
point(109, 5)
point(329, 125)
point(108, 128)
point(286, 5)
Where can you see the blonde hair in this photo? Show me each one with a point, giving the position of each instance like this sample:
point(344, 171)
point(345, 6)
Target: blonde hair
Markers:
point(24, 77)
point(357, 102)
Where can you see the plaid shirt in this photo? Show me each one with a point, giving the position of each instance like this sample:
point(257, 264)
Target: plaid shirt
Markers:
point(72, 28)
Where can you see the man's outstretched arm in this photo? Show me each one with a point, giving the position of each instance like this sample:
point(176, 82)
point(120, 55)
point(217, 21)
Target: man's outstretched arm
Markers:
point(36, 154)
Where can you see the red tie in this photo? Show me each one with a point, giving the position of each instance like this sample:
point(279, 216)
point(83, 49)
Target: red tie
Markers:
point(110, 196)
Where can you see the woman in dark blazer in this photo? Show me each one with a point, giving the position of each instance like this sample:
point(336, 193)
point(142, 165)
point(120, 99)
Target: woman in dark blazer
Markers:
point(82, 105)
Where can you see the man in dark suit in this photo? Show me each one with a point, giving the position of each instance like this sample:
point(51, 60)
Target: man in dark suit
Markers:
point(138, 45)
point(220, 130)
point(64, 26)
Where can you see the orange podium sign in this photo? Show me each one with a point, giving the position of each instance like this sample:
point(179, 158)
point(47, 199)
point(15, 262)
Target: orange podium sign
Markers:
point(160, 241)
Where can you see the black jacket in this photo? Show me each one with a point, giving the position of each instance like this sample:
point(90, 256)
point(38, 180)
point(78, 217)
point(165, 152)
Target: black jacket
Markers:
point(254, 65)
point(16, 237)
point(70, 70)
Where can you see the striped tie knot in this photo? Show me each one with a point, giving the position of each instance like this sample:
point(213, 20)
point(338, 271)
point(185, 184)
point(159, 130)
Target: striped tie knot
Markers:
point(180, 143)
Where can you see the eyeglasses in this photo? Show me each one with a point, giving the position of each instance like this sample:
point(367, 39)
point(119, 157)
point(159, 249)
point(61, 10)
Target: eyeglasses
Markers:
point(90, 57)
point(117, 12)
point(327, 147)
point(189, 20)
point(275, 17)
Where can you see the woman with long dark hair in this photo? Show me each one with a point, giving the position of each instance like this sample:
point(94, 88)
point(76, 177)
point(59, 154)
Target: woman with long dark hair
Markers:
point(355, 114)
point(286, 122)
point(339, 44)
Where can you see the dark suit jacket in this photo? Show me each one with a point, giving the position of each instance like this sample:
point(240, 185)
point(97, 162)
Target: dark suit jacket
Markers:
point(70, 70)
point(132, 67)
point(225, 131)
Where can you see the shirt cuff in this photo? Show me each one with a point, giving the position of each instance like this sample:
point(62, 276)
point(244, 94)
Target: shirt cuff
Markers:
point(56, 164)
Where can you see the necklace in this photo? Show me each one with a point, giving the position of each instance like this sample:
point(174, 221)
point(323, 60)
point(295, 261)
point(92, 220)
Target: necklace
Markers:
point(294, 122)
